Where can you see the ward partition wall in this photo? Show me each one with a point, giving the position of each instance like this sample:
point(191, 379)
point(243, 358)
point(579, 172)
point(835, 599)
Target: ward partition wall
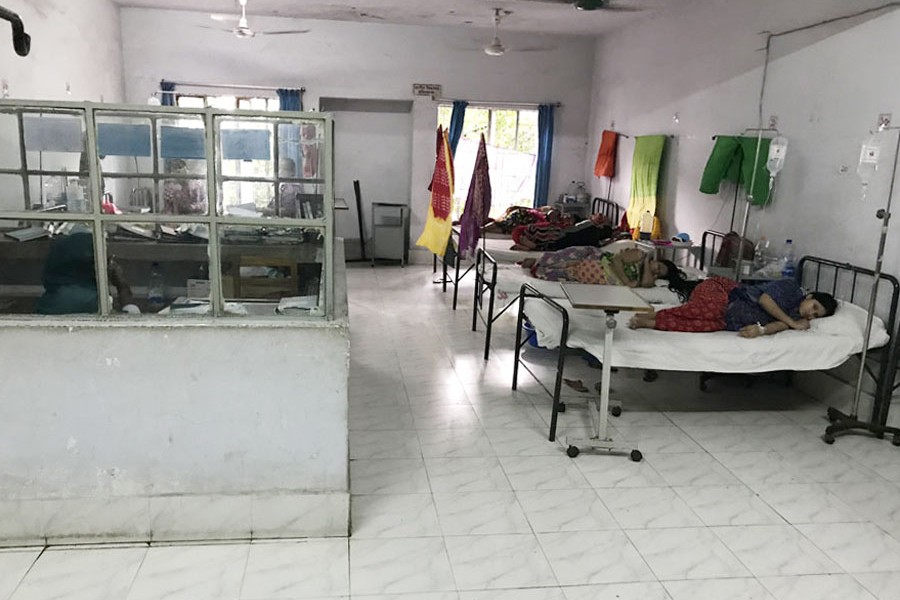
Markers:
point(235, 205)
point(174, 335)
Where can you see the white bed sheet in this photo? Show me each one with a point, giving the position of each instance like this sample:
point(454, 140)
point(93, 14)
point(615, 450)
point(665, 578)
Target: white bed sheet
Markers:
point(828, 343)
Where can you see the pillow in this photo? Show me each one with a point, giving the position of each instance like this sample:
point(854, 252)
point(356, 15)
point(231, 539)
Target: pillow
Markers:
point(850, 320)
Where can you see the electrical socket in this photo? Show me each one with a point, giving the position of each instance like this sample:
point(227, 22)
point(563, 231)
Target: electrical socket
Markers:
point(884, 120)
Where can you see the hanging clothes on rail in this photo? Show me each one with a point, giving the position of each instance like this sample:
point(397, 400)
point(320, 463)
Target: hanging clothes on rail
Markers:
point(648, 151)
point(732, 159)
point(605, 166)
point(478, 204)
point(436, 234)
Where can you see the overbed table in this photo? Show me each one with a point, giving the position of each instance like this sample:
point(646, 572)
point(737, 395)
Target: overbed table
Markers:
point(611, 299)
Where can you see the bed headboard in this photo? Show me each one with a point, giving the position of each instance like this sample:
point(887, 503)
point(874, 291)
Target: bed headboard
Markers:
point(709, 247)
point(852, 284)
point(607, 208)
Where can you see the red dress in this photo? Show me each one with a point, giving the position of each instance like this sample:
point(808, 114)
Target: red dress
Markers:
point(704, 311)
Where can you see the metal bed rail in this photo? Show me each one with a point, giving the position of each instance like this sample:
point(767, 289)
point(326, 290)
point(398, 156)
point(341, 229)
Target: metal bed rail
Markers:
point(834, 280)
point(710, 243)
point(607, 208)
point(527, 291)
point(486, 283)
point(457, 266)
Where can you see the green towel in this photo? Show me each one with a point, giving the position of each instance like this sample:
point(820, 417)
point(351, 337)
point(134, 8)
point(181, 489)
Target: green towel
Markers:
point(732, 160)
point(648, 151)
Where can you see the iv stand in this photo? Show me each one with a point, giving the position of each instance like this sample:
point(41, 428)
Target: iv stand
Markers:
point(841, 422)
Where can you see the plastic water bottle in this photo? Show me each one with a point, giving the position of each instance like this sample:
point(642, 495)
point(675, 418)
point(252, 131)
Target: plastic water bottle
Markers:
point(759, 253)
point(156, 289)
point(789, 270)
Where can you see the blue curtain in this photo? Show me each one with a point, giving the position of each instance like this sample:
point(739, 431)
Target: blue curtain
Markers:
point(545, 153)
point(457, 117)
point(168, 98)
point(289, 99)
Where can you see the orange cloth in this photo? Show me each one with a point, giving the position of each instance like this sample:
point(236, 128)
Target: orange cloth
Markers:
point(606, 156)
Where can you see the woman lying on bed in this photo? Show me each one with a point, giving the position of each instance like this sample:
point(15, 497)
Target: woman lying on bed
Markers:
point(589, 264)
point(718, 304)
point(562, 233)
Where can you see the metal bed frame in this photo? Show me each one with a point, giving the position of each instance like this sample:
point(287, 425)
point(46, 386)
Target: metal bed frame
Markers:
point(888, 356)
point(486, 278)
point(446, 277)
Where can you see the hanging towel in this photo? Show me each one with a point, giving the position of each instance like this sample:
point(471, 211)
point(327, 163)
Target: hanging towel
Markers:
point(478, 204)
point(732, 159)
point(436, 234)
point(606, 156)
point(648, 150)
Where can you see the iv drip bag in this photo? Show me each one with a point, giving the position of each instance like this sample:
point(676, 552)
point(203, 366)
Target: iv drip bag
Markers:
point(777, 150)
point(868, 161)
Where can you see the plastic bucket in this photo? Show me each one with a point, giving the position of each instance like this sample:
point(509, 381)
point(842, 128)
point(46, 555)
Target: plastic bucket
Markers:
point(530, 334)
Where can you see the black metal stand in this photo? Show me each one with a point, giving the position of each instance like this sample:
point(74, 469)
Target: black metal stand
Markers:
point(841, 422)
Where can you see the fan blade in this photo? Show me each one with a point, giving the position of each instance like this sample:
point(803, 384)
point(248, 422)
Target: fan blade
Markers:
point(216, 28)
point(225, 18)
point(290, 32)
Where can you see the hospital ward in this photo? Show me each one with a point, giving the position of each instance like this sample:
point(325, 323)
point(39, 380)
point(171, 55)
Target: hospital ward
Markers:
point(449, 300)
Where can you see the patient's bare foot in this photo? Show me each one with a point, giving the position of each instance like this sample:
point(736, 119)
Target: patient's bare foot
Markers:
point(641, 321)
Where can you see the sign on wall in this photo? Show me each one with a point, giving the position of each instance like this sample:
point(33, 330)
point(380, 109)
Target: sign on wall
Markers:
point(428, 89)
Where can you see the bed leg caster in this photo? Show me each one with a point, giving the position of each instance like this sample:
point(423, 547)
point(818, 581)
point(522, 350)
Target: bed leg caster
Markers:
point(896, 439)
point(650, 375)
point(828, 438)
point(572, 451)
point(833, 415)
point(562, 407)
point(615, 411)
point(636, 456)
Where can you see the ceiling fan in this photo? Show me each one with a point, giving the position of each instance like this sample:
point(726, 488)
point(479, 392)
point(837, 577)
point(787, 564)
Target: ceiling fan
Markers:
point(589, 5)
point(242, 30)
point(496, 47)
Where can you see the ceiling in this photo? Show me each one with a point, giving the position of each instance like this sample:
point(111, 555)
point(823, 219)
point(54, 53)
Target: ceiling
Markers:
point(539, 16)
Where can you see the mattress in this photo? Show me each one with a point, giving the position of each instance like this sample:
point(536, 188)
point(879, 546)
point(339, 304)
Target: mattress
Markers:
point(826, 344)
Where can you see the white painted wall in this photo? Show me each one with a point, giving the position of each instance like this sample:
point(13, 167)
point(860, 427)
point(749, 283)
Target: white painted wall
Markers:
point(357, 60)
point(75, 42)
point(826, 88)
point(375, 148)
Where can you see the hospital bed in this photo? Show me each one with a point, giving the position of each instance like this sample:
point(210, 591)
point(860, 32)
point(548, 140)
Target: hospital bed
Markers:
point(827, 344)
point(499, 247)
point(497, 286)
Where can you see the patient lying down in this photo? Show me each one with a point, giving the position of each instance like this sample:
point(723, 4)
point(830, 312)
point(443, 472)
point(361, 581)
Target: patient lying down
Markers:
point(718, 304)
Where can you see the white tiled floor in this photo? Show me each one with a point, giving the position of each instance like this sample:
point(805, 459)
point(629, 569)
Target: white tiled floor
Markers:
point(458, 495)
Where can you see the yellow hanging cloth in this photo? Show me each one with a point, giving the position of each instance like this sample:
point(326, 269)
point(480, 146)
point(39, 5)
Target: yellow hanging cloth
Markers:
point(648, 151)
point(438, 224)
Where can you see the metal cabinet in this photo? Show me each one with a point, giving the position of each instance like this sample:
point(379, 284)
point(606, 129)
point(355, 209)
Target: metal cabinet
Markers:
point(390, 224)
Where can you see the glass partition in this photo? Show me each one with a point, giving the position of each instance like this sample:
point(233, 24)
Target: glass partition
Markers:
point(162, 211)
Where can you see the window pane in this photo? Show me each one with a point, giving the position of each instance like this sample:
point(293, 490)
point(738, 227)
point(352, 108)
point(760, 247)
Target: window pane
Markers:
point(223, 102)
point(10, 156)
point(125, 144)
point(528, 126)
point(183, 196)
point(476, 123)
point(264, 265)
point(129, 195)
point(59, 193)
point(444, 112)
point(191, 101)
point(44, 275)
point(157, 267)
point(12, 194)
point(503, 129)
